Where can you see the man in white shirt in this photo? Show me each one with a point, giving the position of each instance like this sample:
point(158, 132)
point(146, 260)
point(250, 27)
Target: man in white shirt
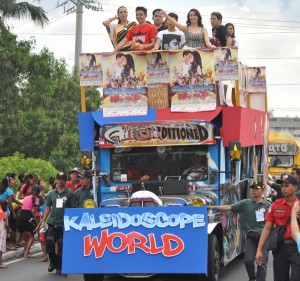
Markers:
point(170, 39)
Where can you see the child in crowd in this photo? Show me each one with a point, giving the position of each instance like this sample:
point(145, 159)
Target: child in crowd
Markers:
point(38, 215)
point(3, 230)
point(26, 223)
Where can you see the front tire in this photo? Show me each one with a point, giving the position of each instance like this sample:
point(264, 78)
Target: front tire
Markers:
point(214, 261)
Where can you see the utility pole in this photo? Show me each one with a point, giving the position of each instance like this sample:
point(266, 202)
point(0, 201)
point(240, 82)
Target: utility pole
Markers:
point(78, 35)
point(76, 6)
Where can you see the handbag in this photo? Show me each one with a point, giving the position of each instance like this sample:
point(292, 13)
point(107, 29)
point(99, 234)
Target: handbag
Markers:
point(276, 236)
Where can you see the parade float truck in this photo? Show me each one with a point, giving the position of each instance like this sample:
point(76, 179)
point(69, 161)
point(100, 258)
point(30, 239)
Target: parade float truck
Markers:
point(284, 153)
point(156, 173)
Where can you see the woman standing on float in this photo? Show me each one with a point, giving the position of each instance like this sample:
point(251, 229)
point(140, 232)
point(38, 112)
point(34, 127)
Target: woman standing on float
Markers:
point(196, 35)
point(118, 31)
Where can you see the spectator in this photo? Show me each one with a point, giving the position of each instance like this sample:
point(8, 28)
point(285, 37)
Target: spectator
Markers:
point(296, 173)
point(286, 256)
point(214, 40)
point(277, 187)
point(253, 211)
point(7, 194)
point(74, 183)
point(12, 220)
point(158, 20)
point(295, 223)
point(3, 230)
point(29, 181)
point(170, 38)
point(57, 200)
point(38, 217)
point(52, 182)
point(39, 203)
point(117, 32)
point(196, 35)
point(221, 33)
point(142, 35)
point(26, 221)
point(231, 33)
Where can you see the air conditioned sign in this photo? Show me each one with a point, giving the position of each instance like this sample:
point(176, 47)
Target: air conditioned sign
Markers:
point(157, 134)
point(282, 149)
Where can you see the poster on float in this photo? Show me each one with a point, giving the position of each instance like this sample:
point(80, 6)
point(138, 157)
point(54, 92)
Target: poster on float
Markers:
point(158, 70)
point(124, 83)
point(242, 84)
point(256, 80)
point(124, 70)
point(137, 240)
point(226, 63)
point(192, 81)
point(90, 69)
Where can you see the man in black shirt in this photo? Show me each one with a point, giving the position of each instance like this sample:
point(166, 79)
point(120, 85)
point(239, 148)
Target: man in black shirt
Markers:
point(221, 33)
point(158, 20)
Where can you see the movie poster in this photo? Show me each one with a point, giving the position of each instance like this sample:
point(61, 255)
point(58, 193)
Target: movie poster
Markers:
point(192, 81)
point(158, 70)
point(125, 81)
point(226, 64)
point(90, 69)
point(256, 80)
point(242, 84)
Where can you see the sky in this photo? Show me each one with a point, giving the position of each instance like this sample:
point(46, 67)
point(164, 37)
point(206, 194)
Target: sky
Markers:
point(268, 32)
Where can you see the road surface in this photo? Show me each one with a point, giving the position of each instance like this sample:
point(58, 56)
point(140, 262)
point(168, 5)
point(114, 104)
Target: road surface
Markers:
point(34, 270)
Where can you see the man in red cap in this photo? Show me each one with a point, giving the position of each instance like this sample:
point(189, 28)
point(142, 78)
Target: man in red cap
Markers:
point(286, 256)
point(74, 183)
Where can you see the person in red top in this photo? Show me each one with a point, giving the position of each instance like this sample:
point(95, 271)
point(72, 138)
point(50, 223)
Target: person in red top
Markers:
point(286, 257)
point(74, 183)
point(142, 35)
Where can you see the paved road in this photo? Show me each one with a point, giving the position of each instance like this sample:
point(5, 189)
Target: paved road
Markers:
point(33, 270)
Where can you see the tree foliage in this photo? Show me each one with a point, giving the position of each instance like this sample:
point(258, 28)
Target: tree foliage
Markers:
point(21, 10)
point(18, 163)
point(39, 102)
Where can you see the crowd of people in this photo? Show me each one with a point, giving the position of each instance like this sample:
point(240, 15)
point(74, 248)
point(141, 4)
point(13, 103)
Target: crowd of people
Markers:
point(166, 33)
point(28, 214)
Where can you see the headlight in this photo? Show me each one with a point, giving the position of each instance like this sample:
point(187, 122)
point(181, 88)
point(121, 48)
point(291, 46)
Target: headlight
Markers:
point(89, 203)
point(198, 202)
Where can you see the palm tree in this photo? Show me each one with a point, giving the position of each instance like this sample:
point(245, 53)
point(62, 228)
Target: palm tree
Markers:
point(21, 10)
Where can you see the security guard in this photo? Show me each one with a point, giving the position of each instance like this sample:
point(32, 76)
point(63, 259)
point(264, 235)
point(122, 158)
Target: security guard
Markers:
point(85, 192)
point(57, 200)
point(253, 211)
point(80, 196)
point(286, 257)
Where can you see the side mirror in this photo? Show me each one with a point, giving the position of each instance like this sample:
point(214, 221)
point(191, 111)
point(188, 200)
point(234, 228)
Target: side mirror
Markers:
point(212, 177)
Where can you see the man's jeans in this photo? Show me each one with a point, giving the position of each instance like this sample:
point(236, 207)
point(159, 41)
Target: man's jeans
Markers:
point(249, 258)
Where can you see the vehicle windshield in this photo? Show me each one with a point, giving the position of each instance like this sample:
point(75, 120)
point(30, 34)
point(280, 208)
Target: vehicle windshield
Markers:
point(282, 161)
point(158, 163)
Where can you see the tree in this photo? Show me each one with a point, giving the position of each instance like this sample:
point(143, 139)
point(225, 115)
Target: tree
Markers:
point(18, 163)
point(39, 102)
point(20, 10)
